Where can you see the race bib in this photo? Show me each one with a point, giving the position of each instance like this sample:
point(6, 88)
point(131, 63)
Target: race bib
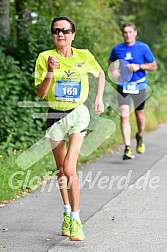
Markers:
point(68, 90)
point(131, 88)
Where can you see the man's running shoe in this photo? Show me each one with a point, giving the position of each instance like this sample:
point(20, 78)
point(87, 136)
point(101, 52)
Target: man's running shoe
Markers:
point(65, 228)
point(128, 153)
point(76, 231)
point(140, 147)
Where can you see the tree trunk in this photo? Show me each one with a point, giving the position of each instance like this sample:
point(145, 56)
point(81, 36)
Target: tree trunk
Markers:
point(4, 19)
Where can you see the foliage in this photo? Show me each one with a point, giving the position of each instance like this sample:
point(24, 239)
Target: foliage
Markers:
point(16, 122)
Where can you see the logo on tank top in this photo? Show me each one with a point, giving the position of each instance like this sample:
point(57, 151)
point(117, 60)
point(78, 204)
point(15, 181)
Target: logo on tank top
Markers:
point(128, 56)
point(69, 73)
point(80, 63)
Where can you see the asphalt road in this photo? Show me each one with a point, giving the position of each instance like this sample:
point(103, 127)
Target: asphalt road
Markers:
point(123, 206)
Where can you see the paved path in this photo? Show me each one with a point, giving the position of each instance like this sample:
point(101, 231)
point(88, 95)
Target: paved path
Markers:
point(123, 207)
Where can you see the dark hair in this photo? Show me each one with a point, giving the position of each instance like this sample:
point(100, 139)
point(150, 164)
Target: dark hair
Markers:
point(128, 24)
point(63, 18)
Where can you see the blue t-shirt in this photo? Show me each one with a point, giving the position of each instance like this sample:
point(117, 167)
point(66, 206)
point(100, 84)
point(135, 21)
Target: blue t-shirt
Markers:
point(139, 53)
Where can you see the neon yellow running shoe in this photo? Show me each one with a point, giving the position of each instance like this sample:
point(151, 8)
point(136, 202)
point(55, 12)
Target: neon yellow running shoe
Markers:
point(65, 228)
point(76, 231)
point(140, 147)
point(128, 153)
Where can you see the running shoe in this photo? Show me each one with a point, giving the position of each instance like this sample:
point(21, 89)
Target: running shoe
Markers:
point(140, 147)
point(128, 153)
point(76, 231)
point(65, 228)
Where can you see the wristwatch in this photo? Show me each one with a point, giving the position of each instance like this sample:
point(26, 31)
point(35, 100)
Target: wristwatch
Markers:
point(140, 67)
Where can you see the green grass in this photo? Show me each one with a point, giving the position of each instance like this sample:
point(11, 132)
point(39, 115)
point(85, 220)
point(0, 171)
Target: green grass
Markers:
point(15, 182)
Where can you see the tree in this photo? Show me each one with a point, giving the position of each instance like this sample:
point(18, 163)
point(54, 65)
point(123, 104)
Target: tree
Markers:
point(4, 19)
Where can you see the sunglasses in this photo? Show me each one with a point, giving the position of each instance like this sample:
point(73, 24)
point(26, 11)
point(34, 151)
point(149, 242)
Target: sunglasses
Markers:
point(63, 30)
